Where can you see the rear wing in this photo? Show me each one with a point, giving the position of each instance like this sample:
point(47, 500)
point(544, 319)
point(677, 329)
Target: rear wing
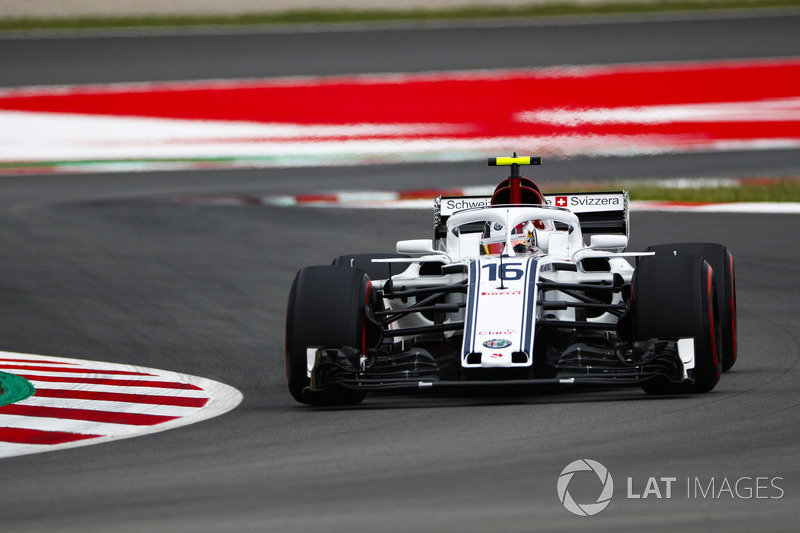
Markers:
point(598, 212)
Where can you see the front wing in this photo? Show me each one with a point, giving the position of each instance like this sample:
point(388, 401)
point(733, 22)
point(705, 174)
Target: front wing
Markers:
point(580, 366)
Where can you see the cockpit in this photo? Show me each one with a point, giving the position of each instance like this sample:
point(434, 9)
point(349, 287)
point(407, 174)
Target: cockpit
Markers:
point(524, 238)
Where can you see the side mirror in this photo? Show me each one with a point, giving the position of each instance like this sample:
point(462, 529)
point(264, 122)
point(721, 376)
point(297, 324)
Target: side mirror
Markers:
point(416, 247)
point(613, 243)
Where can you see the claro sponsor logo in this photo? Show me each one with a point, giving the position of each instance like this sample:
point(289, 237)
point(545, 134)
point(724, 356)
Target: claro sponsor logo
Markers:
point(508, 332)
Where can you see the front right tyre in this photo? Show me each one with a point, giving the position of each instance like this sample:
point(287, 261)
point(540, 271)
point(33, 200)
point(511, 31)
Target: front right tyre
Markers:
point(373, 270)
point(325, 309)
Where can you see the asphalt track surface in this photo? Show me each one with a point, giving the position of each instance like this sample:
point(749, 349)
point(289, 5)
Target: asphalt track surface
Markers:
point(108, 267)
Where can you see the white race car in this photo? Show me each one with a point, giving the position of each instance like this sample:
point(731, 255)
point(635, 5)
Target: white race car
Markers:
point(517, 291)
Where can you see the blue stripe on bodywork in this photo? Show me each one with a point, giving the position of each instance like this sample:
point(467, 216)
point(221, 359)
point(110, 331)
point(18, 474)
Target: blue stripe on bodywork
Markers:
point(531, 294)
point(472, 291)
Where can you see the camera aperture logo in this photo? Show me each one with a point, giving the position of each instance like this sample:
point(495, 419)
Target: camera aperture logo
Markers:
point(585, 509)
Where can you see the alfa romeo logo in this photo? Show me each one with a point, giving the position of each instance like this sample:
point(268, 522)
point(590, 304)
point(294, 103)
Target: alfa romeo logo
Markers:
point(585, 509)
point(497, 343)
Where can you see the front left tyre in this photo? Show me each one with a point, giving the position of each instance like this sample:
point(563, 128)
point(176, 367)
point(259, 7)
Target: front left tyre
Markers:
point(721, 261)
point(674, 297)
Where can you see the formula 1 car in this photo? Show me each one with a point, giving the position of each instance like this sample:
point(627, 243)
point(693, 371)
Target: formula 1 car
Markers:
point(519, 291)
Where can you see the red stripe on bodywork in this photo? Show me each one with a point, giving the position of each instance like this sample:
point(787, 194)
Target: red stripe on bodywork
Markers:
point(711, 323)
point(108, 417)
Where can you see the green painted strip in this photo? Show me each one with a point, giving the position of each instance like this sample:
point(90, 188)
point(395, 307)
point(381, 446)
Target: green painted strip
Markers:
point(14, 388)
point(316, 16)
point(78, 162)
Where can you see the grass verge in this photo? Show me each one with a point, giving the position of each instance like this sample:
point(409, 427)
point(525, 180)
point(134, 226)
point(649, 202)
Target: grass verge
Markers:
point(347, 15)
point(786, 189)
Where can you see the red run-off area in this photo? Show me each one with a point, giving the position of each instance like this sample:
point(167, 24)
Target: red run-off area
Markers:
point(744, 104)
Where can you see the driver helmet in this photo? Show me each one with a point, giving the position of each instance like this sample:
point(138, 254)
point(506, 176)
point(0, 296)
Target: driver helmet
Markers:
point(523, 238)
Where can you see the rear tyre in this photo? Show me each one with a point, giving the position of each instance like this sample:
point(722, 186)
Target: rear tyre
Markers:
point(721, 261)
point(675, 297)
point(325, 309)
point(364, 262)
